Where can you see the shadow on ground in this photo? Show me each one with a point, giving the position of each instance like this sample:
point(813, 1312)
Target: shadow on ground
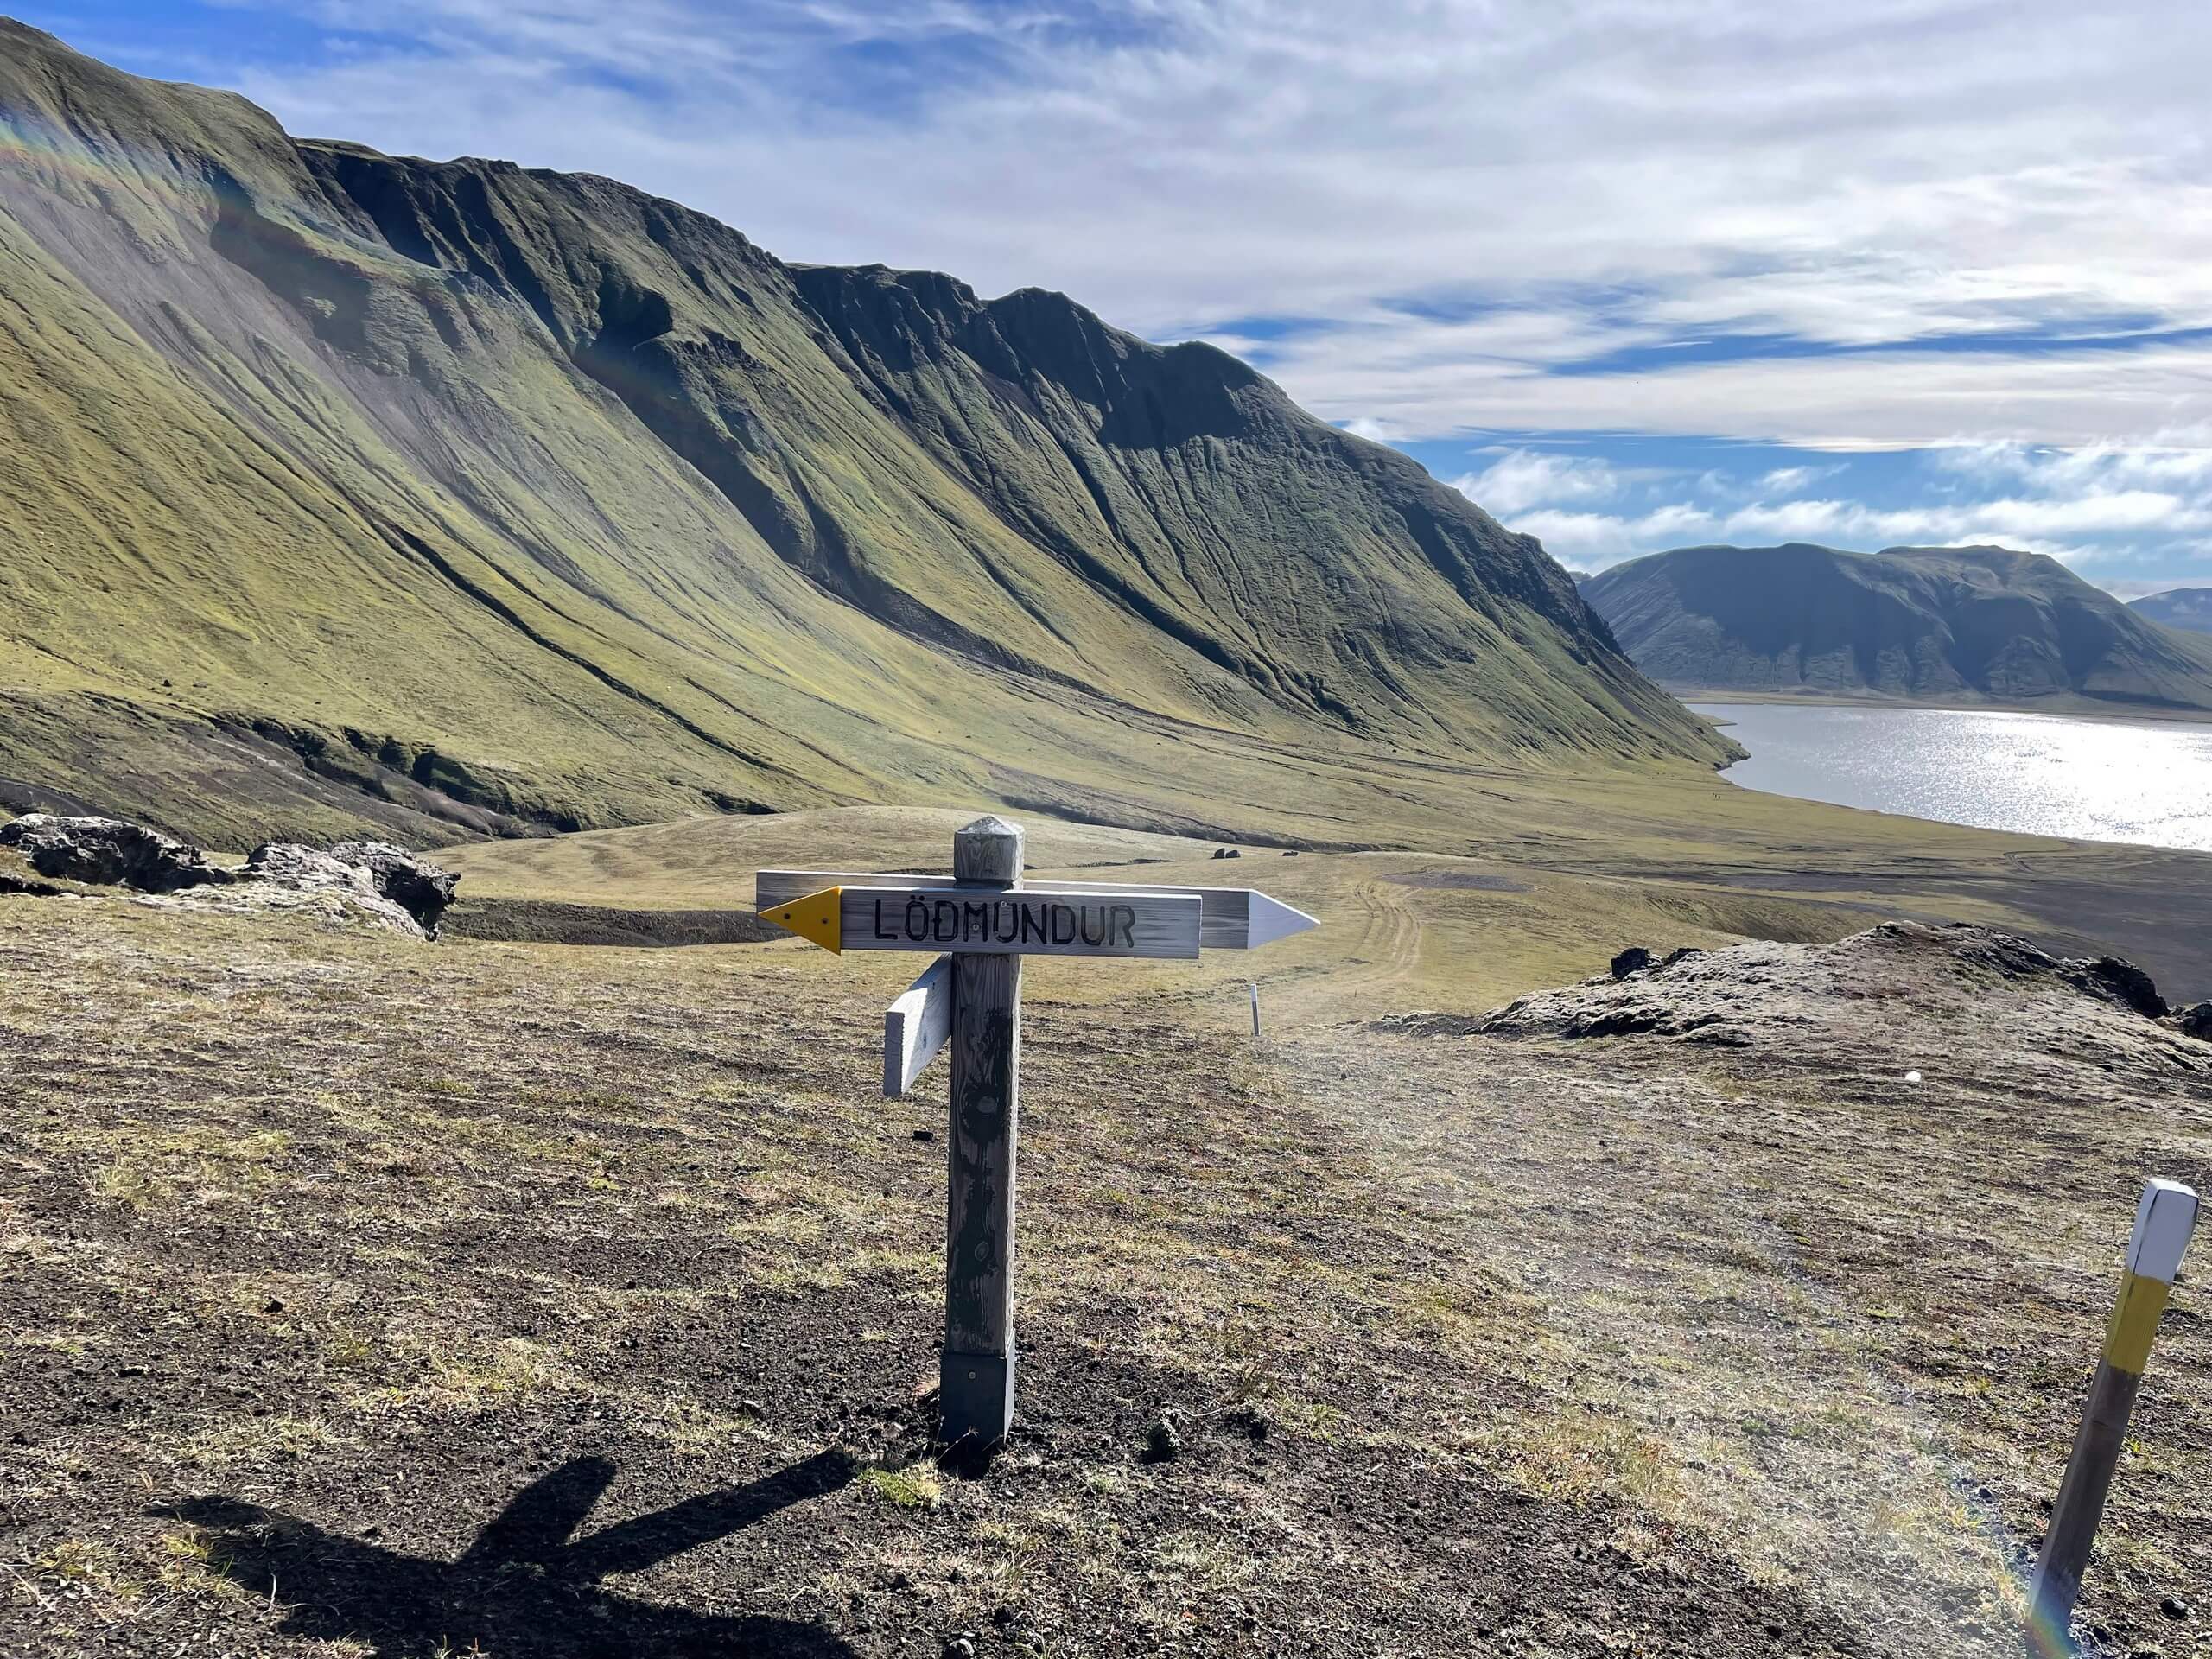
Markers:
point(525, 1586)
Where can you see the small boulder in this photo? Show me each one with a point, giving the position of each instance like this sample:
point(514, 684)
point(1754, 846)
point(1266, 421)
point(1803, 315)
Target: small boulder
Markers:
point(388, 882)
point(294, 869)
point(2117, 979)
point(422, 890)
point(110, 852)
point(2196, 1021)
point(1634, 960)
point(1163, 1440)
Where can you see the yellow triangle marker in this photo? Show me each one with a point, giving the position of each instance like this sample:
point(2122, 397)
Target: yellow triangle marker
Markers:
point(819, 917)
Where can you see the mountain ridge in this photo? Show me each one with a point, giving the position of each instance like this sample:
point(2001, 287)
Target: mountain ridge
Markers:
point(1930, 623)
point(501, 498)
point(2189, 609)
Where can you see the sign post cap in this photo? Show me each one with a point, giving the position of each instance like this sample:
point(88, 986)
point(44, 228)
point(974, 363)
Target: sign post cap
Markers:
point(2164, 1219)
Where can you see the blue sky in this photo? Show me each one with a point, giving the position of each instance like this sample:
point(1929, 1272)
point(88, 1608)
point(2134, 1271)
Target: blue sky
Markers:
point(1632, 273)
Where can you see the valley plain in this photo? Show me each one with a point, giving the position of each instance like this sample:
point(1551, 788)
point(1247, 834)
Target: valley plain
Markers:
point(326, 1249)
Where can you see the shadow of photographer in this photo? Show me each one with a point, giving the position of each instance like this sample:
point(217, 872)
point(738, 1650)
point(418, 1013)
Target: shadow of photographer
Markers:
point(527, 1588)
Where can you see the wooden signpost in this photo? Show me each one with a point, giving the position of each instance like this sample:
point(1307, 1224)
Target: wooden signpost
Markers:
point(2164, 1219)
point(983, 918)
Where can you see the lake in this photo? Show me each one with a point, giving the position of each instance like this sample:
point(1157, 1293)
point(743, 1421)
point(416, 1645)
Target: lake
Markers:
point(2139, 780)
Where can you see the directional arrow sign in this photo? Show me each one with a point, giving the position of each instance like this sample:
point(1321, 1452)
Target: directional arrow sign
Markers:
point(916, 1026)
point(1025, 921)
point(1232, 919)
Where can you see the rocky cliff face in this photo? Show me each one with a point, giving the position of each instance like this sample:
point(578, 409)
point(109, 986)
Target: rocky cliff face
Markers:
point(1909, 621)
point(350, 487)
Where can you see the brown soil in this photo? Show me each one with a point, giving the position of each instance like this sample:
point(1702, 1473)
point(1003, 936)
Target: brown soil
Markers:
point(369, 1298)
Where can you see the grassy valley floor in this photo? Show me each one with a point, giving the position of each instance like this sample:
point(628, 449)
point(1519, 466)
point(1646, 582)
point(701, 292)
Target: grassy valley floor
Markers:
point(366, 1298)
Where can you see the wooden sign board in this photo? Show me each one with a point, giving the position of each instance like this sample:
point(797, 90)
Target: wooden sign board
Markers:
point(1230, 918)
point(1029, 922)
point(915, 1027)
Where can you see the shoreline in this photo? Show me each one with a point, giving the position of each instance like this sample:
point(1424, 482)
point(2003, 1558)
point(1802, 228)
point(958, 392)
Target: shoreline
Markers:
point(2068, 707)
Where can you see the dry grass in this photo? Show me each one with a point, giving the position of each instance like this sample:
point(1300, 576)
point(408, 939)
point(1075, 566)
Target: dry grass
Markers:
point(1790, 1302)
point(365, 1234)
point(1553, 1343)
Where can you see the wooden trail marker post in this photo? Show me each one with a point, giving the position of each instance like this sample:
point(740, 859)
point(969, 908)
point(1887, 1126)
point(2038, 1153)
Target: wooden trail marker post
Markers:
point(2164, 1219)
point(984, 918)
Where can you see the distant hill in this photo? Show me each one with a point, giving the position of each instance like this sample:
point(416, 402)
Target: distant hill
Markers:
point(1931, 622)
point(342, 486)
point(2187, 608)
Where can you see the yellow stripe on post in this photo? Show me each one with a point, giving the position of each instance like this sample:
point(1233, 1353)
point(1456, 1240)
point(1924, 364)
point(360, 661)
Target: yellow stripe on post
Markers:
point(818, 917)
point(2135, 1322)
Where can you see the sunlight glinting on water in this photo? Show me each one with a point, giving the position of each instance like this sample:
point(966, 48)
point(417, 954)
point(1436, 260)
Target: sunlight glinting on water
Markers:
point(2148, 781)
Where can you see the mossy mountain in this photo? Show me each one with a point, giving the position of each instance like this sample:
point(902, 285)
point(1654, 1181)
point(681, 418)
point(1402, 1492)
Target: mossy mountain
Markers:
point(1935, 623)
point(344, 486)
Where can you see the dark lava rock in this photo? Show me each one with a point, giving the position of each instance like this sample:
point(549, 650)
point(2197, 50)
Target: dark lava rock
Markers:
point(1634, 960)
point(1163, 1440)
point(2174, 1606)
point(2196, 1021)
point(2117, 979)
point(112, 852)
point(422, 890)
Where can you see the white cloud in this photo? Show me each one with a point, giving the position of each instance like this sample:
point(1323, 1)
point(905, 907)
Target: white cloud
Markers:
point(1895, 399)
point(1520, 479)
point(2081, 507)
point(1571, 180)
point(1588, 541)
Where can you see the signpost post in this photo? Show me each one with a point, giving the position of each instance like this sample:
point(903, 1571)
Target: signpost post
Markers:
point(983, 920)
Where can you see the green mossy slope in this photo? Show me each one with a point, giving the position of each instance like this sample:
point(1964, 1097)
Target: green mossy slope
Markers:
point(456, 497)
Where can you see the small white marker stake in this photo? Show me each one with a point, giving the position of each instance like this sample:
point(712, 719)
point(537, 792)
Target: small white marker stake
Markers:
point(1256, 1008)
point(2164, 1219)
